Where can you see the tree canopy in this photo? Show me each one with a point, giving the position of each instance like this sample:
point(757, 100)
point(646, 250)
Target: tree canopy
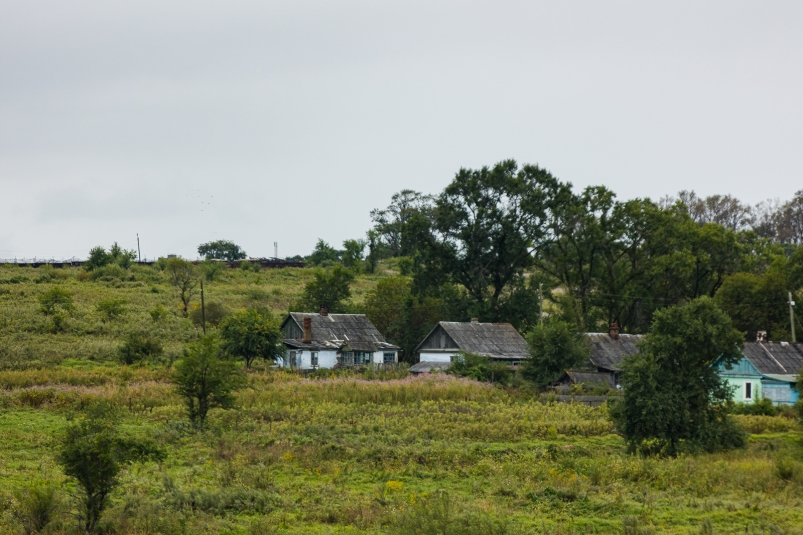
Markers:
point(221, 250)
point(251, 334)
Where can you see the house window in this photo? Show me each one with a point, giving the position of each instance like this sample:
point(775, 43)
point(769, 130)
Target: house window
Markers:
point(313, 356)
point(389, 357)
point(748, 391)
point(292, 359)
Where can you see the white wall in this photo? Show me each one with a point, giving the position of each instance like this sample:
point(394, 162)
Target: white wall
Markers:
point(379, 356)
point(326, 359)
point(437, 357)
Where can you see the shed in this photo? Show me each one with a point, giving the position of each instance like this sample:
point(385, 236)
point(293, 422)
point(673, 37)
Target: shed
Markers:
point(323, 340)
point(580, 377)
point(497, 341)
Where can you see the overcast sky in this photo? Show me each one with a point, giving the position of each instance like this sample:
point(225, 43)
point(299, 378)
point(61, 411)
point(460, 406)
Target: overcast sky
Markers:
point(289, 121)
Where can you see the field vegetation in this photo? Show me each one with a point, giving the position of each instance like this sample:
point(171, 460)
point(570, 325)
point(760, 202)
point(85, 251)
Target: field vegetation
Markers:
point(335, 452)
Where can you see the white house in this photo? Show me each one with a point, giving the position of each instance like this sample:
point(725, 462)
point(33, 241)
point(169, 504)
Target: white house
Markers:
point(497, 341)
point(326, 340)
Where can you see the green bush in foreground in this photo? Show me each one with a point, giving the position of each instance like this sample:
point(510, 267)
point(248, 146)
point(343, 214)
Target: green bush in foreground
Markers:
point(36, 506)
point(554, 348)
point(138, 348)
point(93, 452)
point(205, 380)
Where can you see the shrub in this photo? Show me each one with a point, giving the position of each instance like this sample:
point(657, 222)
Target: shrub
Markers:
point(480, 368)
point(441, 514)
point(36, 506)
point(215, 312)
point(110, 273)
point(205, 380)
point(211, 269)
point(158, 313)
point(93, 452)
point(554, 348)
point(761, 407)
point(56, 303)
point(138, 348)
point(111, 309)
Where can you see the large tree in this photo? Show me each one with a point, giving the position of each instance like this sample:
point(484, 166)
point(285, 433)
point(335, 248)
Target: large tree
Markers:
point(392, 223)
point(674, 398)
point(330, 288)
point(252, 334)
point(221, 250)
point(488, 223)
point(555, 347)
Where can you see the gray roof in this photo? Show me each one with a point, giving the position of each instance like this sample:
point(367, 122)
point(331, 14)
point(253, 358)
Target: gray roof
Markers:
point(495, 340)
point(336, 330)
point(589, 378)
point(607, 353)
point(775, 358)
point(426, 367)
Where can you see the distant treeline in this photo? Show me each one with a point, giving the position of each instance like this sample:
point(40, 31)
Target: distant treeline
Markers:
point(499, 241)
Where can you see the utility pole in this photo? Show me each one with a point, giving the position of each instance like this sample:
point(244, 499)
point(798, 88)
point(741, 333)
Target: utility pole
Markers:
point(792, 316)
point(139, 254)
point(203, 307)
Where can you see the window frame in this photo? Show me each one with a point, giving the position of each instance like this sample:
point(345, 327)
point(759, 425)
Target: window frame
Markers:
point(385, 357)
point(748, 390)
point(313, 358)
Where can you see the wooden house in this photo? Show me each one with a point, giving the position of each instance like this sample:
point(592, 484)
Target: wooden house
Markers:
point(584, 378)
point(767, 370)
point(323, 340)
point(608, 350)
point(498, 341)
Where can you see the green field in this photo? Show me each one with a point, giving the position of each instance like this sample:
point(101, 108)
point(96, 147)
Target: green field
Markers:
point(350, 454)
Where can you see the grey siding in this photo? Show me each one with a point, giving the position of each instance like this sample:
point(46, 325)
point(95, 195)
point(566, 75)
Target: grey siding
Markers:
point(292, 330)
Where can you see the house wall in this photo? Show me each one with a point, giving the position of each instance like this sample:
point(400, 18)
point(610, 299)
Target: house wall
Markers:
point(292, 330)
point(740, 383)
point(379, 356)
point(436, 357)
point(780, 393)
point(326, 359)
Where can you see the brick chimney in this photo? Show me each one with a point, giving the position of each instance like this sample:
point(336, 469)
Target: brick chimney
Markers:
point(324, 310)
point(761, 336)
point(475, 320)
point(307, 330)
point(613, 331)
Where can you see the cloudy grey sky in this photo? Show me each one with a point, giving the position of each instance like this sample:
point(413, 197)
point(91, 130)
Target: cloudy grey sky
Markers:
point(288, 121)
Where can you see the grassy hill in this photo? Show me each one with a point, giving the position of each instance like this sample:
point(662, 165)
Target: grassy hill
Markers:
point(349, 453)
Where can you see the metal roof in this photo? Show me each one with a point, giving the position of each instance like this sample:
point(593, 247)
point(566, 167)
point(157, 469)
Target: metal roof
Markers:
point(607, 353)
point(336, 330)
point(495, 340)
point(776, 358)
point(782, 378)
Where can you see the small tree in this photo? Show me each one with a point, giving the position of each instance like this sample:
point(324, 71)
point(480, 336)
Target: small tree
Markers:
point(353, 253)
point(480, 368)
point(330, 288)
point(98, 257)
point(181, 275)
point(251, 334)
point(94, 452)
point(138, 348)
point(554, 348)
point(674, 398)
point(205, 380)
point(55, 304)
point(221, 250)
point(323, 255)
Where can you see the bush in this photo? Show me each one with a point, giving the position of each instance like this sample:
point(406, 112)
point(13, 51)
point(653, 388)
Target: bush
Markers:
point(138, 348)
point(36, 506)
point(440, 514)
point(480, 368)
point(111, 309)
point(554, 348)
point(110, 273)
point(760, 407)
point(215, 312)
point(158, 313)
point(211, 269)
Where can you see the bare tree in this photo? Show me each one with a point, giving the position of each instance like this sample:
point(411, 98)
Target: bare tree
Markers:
point(790, 220)
point(725, 210)
point(765, 218)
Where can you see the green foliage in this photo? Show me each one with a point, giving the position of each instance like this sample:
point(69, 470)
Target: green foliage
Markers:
point(755, 302)
point(252, 334)
point(205, 379)
point(93, 452)
point(158, 313)
point(329, 287)
point(182, 276)
point(56, 304)
point(440, 514)
point(323, 255)
point(214, 313)
point(674, 400)
point(36, 506)
point(481, 368)
point(211, 270)
point(760, 407)
point(139, 348)
point(98, 257)
point(554, 348)
point(221, 250)
point(402, 228)
point(112, 308)
point(353, 254)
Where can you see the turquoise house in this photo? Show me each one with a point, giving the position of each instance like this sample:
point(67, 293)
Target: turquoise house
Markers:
point(767, 370)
